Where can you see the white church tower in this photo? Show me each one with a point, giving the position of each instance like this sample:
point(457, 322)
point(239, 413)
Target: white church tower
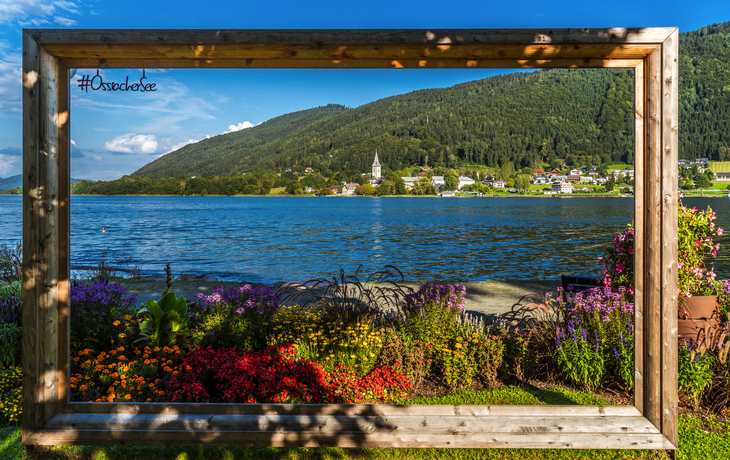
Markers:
point(376, 168)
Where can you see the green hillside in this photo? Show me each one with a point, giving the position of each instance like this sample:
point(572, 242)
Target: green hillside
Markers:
point(580, 116)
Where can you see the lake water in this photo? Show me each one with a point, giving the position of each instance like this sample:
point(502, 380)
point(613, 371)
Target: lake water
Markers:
point(267, 239)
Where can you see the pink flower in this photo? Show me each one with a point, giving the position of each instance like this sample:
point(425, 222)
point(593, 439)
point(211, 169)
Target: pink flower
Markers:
point(697, 271)
point(719, 232)
point(679, 265)
point(711, 275)
point(698, 243)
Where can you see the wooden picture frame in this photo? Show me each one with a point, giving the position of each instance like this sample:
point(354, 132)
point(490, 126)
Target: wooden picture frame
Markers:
point(50, 418)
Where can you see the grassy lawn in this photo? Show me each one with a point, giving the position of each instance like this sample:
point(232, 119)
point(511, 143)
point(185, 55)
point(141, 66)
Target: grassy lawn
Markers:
point(720, 166)
point(699, 438)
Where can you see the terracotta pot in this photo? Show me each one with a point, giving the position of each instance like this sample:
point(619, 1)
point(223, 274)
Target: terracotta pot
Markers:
point(697, 315)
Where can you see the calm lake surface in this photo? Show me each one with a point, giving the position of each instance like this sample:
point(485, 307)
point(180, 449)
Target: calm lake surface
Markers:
point(267, 239)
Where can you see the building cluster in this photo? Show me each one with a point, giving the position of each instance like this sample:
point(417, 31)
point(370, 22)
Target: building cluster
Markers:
point(559, 181)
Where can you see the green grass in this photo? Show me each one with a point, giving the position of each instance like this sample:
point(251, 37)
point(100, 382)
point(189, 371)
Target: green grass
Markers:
point(699, 439)
point(720, 166)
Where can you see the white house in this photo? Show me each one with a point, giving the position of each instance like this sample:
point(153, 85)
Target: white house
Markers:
point(349, 189)
point(563, 187)
point(410, 181)
point(463, 180)
point(722, 176)
point(575, 172)
point(448, 193)
point(540, 180)
point(499, 183)
point(438, 181)
point(586, 179)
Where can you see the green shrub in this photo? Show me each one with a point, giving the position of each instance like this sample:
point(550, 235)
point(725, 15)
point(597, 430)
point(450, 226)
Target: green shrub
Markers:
point(410, 358)
point(164, 321)
point(695, 371)
point(11, 342)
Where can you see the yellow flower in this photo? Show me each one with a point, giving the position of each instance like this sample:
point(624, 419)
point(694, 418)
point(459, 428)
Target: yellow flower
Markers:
point(458, 345)
point(116, 323)
point(121, 336)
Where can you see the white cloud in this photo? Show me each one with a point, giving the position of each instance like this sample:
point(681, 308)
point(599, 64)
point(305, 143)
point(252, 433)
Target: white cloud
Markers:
point(184, 143)
point(21, 9)
point(240, 126)
point(133, 143)
point(11, 91)
point(96, 158)
point(65, 22)
point(7, 163)
point(73, 142)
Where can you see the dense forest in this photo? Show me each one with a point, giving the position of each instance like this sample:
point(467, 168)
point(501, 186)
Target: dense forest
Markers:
point(525, 119)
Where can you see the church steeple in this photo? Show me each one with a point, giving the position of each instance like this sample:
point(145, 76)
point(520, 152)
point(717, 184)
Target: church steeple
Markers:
point(376, 167)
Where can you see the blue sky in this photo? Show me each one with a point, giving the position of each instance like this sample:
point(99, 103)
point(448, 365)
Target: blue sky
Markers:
point(115, 134)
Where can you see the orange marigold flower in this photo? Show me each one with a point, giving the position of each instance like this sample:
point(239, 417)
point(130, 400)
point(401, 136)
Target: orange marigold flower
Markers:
point(106, 371)
point(83, 365)
point(77, 359)
point(145, 355)
point(120, 349)
point(127, 397)
point(146, 361)
point(149, 400)
point(83, 388)
point(110, 398)
point(139, 393)
point(114, 375)
point(113, 352)
point(156, 349)
point(72, 385)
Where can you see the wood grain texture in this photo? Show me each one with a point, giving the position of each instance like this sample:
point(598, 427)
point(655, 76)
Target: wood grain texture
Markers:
point(31, 270)
point(63, 217)
point(652, 35)
point(349, 63)
point(353, 410)
point(639, 231)
point(652, 242)
point(670, 144)
point(50, 120)
point(315, 51)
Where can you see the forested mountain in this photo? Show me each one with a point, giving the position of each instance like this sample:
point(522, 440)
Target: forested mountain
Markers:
point(581, 116)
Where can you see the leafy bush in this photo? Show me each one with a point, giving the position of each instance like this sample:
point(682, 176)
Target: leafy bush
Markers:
point(11, 304)
point(431, 314)
point(579, 355)
point(318, 336)
point(10, 263)
point(11, 341)
point(235, 318)
point(695, 371)
point(695, 233)
point(163, 321)
point(96, 313)
point(411, 358)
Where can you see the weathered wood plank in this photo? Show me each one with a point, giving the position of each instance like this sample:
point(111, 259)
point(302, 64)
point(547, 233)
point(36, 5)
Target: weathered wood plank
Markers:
point(670, 143)
point(353, 439)
point(349, 63)
point(313, 51)
point(639, 231)
point(652, 240)
point(31, 271)
point(335, 423)
point(63, 216)
point(354, 409)
point(50, 121)
point(352, 36)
